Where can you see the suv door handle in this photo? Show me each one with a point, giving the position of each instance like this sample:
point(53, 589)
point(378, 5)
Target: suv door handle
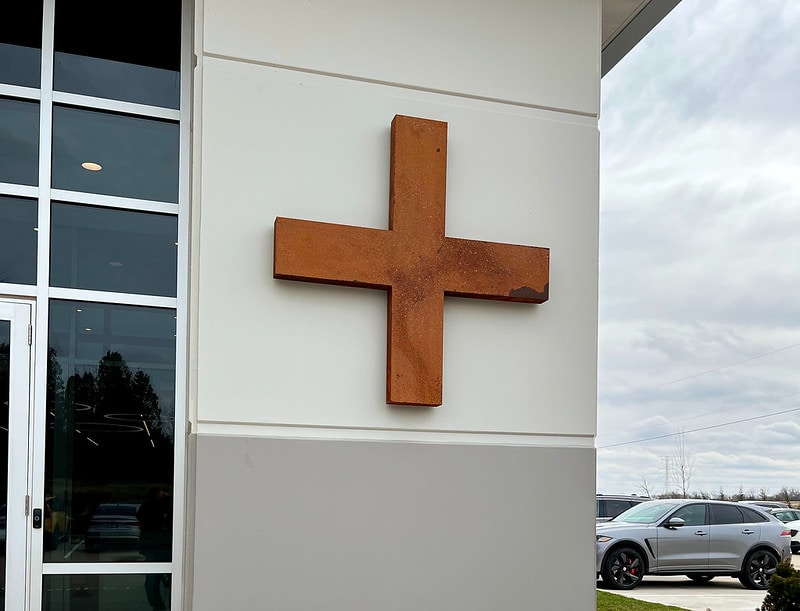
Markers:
point(747, 531)
point(700, 533)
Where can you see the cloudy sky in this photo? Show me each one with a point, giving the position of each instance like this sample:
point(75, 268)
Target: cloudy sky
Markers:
point(700, 252)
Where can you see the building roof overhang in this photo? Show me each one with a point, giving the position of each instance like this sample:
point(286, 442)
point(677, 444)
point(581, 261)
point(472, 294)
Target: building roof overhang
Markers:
point(625, 23)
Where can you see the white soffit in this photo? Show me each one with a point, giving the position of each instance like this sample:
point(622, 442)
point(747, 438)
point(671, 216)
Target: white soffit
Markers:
point(625, 23)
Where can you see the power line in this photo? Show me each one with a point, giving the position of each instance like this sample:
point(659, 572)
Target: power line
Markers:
point(702, 373)
point(704, 428)
point(705, 414)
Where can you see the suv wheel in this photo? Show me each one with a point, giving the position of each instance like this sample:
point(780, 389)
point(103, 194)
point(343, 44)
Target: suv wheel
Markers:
point(758, 568)
point(623, 569)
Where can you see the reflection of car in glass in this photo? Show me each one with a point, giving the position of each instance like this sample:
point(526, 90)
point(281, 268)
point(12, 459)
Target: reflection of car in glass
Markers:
point(790, 517)
point(699, 539)
point(113, 526)
point(56, 524)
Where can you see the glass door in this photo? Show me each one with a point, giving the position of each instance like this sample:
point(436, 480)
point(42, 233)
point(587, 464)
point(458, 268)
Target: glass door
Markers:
point(15, 513)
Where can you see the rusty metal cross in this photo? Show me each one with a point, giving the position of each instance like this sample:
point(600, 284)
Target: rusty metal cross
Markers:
point(413, 260)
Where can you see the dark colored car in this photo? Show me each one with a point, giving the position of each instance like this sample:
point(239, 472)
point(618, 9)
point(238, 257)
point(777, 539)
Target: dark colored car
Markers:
point(697, 538)
point(608, 506)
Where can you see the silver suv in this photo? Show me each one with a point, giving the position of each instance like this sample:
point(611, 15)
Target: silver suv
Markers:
point(606, 506)
point(696, 538)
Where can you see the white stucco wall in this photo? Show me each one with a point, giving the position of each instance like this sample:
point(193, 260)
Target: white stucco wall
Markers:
point(280, 142)
point(292, 111)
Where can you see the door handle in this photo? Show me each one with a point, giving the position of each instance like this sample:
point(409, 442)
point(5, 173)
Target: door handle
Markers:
point(700, 533)
point(37, 518)
point(747, 531)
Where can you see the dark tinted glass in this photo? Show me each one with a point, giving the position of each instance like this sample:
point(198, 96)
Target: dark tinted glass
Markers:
point(21, 43)
point(119, 50)
point(19, 141)
point(615, 507)
point(18, 238)
point(109, 453)
point(726, 514)
point(113, 250)
point(137, 157)
point(753, 516)
point(105, 592)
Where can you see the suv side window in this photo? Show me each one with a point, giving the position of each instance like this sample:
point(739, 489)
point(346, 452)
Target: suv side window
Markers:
point(725, 514)
point(753, 516)
point(614, 507)
point(693, 515)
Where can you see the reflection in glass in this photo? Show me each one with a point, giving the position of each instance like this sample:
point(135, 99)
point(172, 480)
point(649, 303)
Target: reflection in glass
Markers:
point(19, 141)
point(113, 250)
point(21, 43)
point(138, 157)
point(103, 592)
point(5, 342)
point(126, 51)
point(109, 454)
point(18, 238)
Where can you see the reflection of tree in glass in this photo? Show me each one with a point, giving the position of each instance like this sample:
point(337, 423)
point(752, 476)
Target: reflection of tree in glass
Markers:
point(118, 391)
point(55, 379)
point(113, 396)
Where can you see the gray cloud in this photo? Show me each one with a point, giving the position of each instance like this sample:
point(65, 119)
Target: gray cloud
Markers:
point(700, 260)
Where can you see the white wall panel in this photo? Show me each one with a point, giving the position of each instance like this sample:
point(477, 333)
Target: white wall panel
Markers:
point(285, 143)
point(544, 53)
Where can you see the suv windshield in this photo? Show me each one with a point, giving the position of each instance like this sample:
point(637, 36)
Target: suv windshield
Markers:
point(644, 513)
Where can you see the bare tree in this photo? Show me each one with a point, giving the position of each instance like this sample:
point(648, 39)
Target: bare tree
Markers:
point(645, 487)
point(683, 463)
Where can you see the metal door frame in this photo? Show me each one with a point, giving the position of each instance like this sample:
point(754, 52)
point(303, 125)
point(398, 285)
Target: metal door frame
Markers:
point(20, 538)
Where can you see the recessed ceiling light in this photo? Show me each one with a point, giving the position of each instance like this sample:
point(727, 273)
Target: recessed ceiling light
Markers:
point(91, 166)
point(115, 263)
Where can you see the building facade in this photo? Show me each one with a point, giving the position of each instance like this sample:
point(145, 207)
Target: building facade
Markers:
point(184, 427)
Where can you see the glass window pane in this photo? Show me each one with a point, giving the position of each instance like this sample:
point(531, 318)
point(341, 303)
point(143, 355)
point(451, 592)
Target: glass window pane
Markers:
point(18, 238)
point(113, 250)
point(21, 43)
point(119, 50)
point(132, 156)
point(19, 141)
point(111, 415)
point(105, 592)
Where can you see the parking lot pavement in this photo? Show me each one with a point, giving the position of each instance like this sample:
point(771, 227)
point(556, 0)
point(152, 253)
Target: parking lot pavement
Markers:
point(721, 594)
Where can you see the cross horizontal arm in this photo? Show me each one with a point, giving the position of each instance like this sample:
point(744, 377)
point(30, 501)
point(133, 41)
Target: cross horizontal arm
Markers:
point(330, 253)
point(493, 270)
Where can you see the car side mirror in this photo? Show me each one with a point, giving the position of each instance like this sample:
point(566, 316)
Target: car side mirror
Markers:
point(675, 523)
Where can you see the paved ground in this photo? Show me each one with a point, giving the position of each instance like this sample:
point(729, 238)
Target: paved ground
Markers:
point(722, 594)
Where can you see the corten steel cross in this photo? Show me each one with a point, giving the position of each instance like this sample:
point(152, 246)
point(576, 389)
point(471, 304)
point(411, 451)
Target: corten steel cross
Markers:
point(413, 260)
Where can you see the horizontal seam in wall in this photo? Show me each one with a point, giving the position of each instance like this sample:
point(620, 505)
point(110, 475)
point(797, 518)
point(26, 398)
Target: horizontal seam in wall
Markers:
point(407, 86)
point(580, 440)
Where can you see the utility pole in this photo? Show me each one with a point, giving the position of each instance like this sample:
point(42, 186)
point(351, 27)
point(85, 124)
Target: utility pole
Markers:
point(667, 474)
